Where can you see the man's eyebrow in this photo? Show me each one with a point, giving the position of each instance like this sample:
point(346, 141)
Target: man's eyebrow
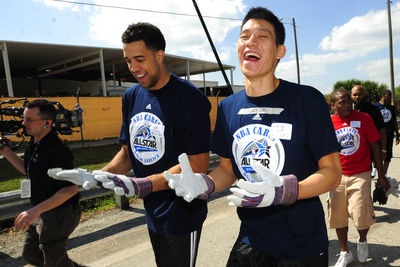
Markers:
point(136, 57)
point(258, 29)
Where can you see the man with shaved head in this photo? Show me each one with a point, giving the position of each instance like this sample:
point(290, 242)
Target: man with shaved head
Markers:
point(359, 97)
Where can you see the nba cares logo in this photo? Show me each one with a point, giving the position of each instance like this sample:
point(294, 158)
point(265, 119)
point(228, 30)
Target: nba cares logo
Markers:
point(256, 142)
point(147, 138)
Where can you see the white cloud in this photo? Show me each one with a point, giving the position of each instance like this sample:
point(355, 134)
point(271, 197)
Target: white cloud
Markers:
point(359, 37)
point(364, 34)
point(59, 5)
point(379, 70)
point(184, 34)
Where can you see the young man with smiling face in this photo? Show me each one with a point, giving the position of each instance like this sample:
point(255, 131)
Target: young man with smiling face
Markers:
point(276, 138)
point(356, 133)
point(163, 116)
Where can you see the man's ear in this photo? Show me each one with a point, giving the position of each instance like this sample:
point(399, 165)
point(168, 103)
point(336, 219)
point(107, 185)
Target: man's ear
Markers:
point(281, 51)
point(160, 56)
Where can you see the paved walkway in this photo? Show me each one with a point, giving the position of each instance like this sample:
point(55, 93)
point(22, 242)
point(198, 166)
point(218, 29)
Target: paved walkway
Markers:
point(220, 231)
point(119, 238)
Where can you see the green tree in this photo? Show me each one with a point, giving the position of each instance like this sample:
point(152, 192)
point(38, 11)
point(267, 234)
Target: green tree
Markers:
point(373, 89)
point(397, 92)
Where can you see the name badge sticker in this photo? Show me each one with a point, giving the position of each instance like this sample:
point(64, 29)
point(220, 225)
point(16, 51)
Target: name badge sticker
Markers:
point(26, 188)
point(282, 131)
point(355, 124)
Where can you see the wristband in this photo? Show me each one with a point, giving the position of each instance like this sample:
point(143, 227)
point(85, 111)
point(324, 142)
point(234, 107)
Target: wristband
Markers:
point(384, 150)
point(288, 193)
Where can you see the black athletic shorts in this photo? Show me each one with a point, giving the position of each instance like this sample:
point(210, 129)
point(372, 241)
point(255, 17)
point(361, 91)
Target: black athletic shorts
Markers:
point(242, 255)
point(176, 251)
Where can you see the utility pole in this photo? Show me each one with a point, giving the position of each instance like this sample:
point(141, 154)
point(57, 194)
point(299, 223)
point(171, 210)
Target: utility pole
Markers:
point(297, 53)
point(391, 52)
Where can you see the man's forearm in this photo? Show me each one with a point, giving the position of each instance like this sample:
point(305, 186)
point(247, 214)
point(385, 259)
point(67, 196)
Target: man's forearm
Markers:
point(56, 200)
point(223, 176)
point(120, 164)
point(14, 159)
point(377, 158)
point(325, 179)
point(383, 138)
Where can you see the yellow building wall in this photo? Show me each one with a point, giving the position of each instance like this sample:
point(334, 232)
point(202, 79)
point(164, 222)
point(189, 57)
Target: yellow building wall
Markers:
point(102, 116)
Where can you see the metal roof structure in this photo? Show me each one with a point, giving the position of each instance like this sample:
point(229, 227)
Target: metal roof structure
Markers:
point(82, 63)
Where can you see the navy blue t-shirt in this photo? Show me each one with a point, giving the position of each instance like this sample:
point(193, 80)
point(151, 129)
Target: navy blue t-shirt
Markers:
point(288, 131)
point(389, 117)
point(159, 125)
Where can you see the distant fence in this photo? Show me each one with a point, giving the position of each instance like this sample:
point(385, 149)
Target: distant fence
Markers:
point(11, 203)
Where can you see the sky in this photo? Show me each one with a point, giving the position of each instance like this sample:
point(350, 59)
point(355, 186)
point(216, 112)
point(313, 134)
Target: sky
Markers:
point(337, 40)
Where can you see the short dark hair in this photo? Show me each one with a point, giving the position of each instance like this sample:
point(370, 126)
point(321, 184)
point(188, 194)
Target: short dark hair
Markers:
point(47, 111)
point(146, 32)
point(385, 92)
point(265, 14)
point(334, 94)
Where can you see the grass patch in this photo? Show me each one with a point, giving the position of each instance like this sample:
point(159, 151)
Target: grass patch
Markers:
point(98, 203)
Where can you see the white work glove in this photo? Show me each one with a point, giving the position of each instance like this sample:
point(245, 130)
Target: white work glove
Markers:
point(121, 184)
point(80, 177)
point(270, 190)
point(124, 185)
point(394, 187)
point(187, 184)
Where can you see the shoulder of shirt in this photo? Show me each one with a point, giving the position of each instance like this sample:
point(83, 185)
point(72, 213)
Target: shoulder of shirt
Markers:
point(361, 114)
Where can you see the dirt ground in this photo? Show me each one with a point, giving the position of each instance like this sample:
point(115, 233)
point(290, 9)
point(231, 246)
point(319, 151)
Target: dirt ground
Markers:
point(11, 241)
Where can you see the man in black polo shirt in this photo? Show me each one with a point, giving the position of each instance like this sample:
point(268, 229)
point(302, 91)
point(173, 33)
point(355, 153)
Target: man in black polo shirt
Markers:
point(361, 103)
point(55, 212)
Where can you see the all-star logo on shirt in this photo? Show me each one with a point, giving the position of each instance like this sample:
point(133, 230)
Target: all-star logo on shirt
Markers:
point(386, 114)
point(148, 106)
point(256, 142)
point(147, 138)
point(349, 139)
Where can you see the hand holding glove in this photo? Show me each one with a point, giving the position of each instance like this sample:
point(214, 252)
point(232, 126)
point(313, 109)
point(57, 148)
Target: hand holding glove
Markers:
point(269, 189)
point(187, 184)
point(80, 177)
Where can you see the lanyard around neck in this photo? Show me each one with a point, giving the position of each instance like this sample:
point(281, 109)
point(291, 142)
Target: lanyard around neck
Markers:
point(32, 156)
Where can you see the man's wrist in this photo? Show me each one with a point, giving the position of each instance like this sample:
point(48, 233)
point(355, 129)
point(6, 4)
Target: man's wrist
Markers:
point(384, 150)
point(287, 193)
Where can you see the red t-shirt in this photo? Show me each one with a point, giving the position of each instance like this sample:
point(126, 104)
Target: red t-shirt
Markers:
point(355, 134)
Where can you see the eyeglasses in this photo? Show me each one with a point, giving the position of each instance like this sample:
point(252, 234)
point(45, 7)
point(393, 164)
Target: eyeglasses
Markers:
point(29, 120)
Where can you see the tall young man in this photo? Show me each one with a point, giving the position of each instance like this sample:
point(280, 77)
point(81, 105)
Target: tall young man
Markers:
point(277, 139)
point(389, 117)
point(163, 116)
point(55, 212)
point(356, 133)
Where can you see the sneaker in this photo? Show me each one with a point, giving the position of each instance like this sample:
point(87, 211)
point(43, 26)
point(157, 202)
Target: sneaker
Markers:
point(362, 250)
point(373, 172)
point(345, 258)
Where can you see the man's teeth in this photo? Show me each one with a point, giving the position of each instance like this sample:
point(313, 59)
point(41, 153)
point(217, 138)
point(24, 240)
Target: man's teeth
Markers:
point(249, 55)
point(140, 75)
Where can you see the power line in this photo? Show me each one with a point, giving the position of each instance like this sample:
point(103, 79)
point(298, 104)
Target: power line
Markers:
point(142, 10)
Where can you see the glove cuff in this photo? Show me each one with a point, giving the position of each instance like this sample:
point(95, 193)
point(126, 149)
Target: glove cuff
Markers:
point(288, 192)
point(210, 186)
point(143, 186)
